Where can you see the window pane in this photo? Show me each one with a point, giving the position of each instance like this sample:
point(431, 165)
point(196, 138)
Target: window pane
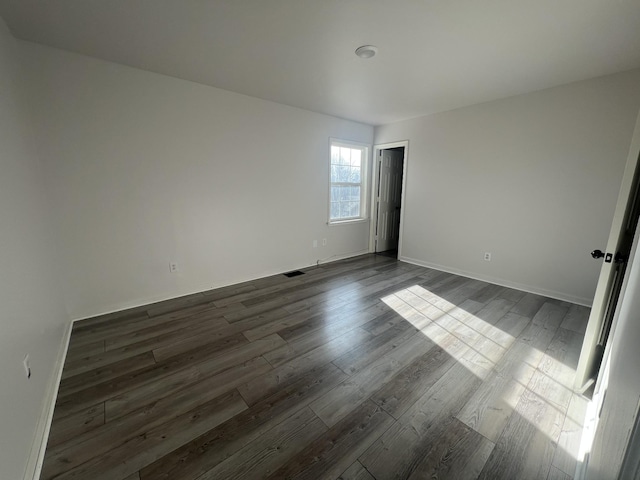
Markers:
point(335, 210)
point(345, 156)
point(343, 210)
point(355, 194)
point(335, 154)
point(356, 157)
point(351, 209)
point(344, 173)
point(334, 173)
point(335, 194)
point(354, 175)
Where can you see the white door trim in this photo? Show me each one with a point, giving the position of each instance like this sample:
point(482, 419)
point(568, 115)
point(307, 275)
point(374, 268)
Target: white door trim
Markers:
point(374, 190)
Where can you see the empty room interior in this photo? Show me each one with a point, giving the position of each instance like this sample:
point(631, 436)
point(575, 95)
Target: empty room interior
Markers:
point(322, 240)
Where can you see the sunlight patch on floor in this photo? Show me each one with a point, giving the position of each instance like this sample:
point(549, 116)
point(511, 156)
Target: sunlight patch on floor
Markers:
point(523, 379)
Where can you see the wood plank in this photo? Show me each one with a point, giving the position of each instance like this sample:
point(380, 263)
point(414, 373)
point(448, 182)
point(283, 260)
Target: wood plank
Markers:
point(214, 382)
point(334, 319)
point(229, 291)
point(74, 426)
point(533, 430)
point(557, 474)
point(568, 449)
point(488, 343)
point(576, 319)
point(137, 422)
point(529, 305)
point(176, 324)
point(400, 449)
point(488, 293)
point(460, 453)
point(524, 450)
point(275, 304)
point(490, 407)
point(496, 309)
point(410, 384)
point(122, 333)
point(205, 452)
point(321, 334)
point(446, 284)
point(269, 383)
point(333, 452)
point(179, 303)
point(543, 326)
point(82, 381)
point(422, 301)
point(271, 450)
point(367, 352)
point(511, 294)
point(344, 282)
point(76, 351)
point(189, 330)
point(141, 450)
point(313, 285)
point(385, 287)
point(192, 343)
point(339, 402)
point(356, 472)
point(309, 313)
point(279, 283)
point(122, 316)
point(205, 358)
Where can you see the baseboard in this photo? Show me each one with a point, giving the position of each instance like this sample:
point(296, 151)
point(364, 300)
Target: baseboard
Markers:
point(499, 281)
point(337, 258)
point(161, 298)
point(36, 456)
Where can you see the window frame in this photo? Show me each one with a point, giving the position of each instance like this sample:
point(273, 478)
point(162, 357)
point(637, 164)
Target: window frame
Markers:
point(364, 181)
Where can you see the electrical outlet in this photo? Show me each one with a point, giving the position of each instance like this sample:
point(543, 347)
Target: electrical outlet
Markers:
point(27, 366)
point(173, 267)
point(324, 242)
point(487, 256)
point(315, 244)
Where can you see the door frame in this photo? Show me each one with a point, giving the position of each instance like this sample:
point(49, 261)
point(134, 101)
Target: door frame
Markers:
point(375, 180)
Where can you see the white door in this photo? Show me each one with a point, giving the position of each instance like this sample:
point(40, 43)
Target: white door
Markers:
point(390, 164)
point(613, 269)
point(611, 436)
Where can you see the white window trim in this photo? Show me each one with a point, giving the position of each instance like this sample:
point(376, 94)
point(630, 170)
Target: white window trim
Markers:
point(364, 182)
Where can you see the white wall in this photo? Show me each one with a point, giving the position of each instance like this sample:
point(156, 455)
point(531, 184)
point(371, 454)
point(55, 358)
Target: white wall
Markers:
point(146, 169)
point(533, 179)
point(32, 318)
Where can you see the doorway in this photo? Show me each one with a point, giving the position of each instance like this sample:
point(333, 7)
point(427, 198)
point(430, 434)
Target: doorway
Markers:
point(387, 198)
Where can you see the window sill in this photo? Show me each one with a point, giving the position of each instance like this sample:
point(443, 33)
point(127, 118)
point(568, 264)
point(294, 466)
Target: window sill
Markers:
point(336, 223)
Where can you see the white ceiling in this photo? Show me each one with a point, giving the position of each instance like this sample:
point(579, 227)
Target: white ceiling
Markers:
point(434, 55)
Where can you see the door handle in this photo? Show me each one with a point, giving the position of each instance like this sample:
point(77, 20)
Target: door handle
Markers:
point(597, 254)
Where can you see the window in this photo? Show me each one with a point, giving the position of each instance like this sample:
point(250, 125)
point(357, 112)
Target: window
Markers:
point(346, 197)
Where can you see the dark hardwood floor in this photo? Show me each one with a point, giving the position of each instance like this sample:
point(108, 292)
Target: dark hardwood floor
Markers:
point(366, 368)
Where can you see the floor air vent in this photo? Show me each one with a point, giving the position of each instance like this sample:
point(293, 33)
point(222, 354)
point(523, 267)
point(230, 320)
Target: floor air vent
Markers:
point(295, 273)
